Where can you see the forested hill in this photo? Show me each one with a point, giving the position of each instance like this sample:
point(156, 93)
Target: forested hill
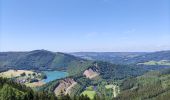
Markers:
point(154, 85)
point(40, 60)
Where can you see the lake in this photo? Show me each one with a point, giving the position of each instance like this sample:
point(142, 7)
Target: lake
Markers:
point(52, 75)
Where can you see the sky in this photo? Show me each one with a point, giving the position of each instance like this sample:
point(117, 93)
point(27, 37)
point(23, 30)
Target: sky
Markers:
point(85, 25)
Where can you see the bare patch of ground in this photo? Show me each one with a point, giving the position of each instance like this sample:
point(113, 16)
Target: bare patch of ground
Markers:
point(65, 86)
point(90, 73)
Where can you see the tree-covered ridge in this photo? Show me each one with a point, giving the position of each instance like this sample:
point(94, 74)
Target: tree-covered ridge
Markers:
point(153, 85)
point(46, 60)
point(110, 71)
point(42, 60)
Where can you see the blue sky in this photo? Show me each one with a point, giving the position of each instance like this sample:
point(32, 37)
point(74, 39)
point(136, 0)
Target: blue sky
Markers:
point(85, 25)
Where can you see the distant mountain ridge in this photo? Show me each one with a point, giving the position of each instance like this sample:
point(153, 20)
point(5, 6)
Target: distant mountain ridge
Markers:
point(113, 57)
point(125, 57)
point(154, 56)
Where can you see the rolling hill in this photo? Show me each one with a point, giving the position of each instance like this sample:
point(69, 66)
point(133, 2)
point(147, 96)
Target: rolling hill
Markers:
point(146, 60)
point(124, 57)
point(112, 57)
point(42, 60)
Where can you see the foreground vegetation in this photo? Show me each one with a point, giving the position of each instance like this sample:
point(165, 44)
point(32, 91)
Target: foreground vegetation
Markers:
point(154, 85)
point(10, 90)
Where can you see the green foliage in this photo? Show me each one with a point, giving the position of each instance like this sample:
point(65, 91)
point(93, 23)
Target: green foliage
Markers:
point(107, 73)
point(23, 74)
point(89, 93)
point(78, 67)
point(112, 72)
point(9, 90)
point(152, 85)
point(42, 60)
point(43, 76)
point(9, 93)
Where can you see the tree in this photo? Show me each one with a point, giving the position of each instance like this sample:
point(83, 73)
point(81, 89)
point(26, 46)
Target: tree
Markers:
point(7, 93)
point(23, 74)
point(96, 97)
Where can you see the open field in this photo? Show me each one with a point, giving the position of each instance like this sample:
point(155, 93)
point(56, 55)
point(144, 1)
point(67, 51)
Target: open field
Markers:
point(27, 77)
point(161, 62)
point(89, 93)
point(15, 73)
point(109, 86)
point(35, 84)
point(115, 89)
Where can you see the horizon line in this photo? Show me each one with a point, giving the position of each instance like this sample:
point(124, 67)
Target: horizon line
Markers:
point(81, 51)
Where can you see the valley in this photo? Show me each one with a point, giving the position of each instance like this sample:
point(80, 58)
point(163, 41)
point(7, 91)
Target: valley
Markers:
point(61, 74)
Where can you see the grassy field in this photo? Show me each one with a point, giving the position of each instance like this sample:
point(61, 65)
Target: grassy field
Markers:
point(90, 88)
point(14, 73)
point(89, 93)
point(24, 78)
point(35, 84)
point(162, 62)
point(109, 86)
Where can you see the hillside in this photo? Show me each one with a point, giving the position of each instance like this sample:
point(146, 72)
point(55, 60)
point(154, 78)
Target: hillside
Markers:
point(42, 60)
point(10, 90)
point(153, 85)
point(94, 75)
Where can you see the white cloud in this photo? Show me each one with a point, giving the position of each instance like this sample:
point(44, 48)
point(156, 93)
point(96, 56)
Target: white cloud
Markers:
point(130, 31)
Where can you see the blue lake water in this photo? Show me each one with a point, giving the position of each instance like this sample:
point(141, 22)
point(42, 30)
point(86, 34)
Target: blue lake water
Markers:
point(52, 75)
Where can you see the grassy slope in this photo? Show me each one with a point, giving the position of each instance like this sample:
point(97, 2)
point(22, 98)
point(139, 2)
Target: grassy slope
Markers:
point(89, 93)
